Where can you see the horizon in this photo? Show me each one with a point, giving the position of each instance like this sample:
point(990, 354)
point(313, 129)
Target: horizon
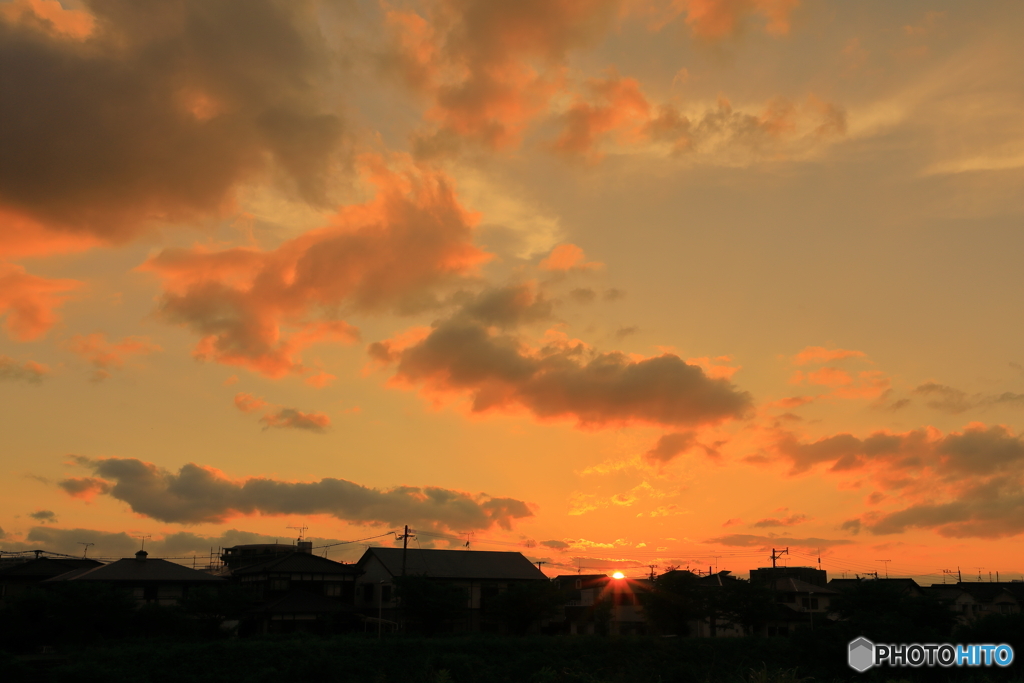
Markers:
point(612, 283)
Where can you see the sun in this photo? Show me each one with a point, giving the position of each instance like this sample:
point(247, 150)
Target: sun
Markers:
point(618, 575)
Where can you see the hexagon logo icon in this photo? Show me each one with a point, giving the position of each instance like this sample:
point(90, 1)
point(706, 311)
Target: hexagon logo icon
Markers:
point(862, 654)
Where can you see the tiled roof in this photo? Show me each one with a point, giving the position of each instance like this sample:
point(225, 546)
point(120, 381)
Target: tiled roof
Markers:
point(135, 570)
point(456, 564)
point(298, 562)
point(791, 585)
point(47, 566)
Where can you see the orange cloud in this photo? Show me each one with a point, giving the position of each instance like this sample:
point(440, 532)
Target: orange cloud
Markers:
point(717, 19)
point(103, 355)
point(105, 136)
point(489, 68)
point(248, 403)
point(198, 494)
point(621, 108)
point(49, 16)
point(618, 111)
point(260, 309)
point(819, 354)
point(566, 257)
point(320, 379)
point(289, 418)
point(28, 302)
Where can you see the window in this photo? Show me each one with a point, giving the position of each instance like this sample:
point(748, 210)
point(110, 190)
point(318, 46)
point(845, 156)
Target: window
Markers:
point(579, 584)
point(279, 584)
point(332, 590)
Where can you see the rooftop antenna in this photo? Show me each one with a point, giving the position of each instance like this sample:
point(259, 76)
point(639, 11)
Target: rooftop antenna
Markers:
point(979, 572)
point(716, 561)
point(86, 553)
point(300, 529)
point(886, 568)
point(144, 537)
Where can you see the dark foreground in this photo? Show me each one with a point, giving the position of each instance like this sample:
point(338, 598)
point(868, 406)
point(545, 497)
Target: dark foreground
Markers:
point(469, 660)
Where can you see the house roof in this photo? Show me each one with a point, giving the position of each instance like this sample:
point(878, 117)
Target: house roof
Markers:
point(790, 585)
point(46, 567)
point(905, 584)
point(139, 570)
point(455, 564)
point(297, 562)
point(983, 591)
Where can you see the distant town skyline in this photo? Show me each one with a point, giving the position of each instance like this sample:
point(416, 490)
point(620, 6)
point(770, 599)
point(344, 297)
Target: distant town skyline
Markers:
point(614, 283)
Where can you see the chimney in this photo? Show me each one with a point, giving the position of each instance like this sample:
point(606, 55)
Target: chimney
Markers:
point(141, 555)
point(306, 547)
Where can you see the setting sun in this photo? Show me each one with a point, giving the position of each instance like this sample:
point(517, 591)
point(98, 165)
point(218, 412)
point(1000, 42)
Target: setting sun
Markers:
point(618, 575)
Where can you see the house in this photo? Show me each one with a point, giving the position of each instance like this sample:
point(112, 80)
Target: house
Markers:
point(297, 591)
point(989, 597)
point(151, 582)
point(598, 603)
point(240, 555)
point(480, 576)
point(907, 587)
point(16, 578)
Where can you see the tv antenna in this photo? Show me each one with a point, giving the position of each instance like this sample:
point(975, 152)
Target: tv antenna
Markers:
point(144, 537)
point(86, 553)
point(886, 567)
point(301, 529)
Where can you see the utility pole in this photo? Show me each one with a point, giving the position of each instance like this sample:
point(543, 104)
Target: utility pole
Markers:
point(959, 578)
point(776, 554)
point(979, 572)
point(653, 567)
point(405, 547)
point(886, 567)
point(539, 563)
point(944, 572)
point(86, 553)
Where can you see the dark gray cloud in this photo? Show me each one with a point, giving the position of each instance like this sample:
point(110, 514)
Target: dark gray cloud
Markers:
point(506, 307)
point(583, 295)
point(198, 494)
point(555, 545)
point(565, 378)
point(962, 484)
point(289, 418)
point(45, 516)
point(752, 541)
point(29, 371)
point(161, 110)
point(955, 401)
point(769, 522)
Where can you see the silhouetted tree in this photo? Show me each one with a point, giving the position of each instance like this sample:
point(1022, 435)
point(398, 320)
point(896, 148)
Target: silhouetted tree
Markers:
point(673, 601)
point(886, 613)
point(64, 613)
point(523, 605)
point(428, 604)
point(747, 605)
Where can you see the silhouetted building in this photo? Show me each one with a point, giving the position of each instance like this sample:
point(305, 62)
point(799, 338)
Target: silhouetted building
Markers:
point(764, 575)
point(154, 582)
point(480, 575)
point(242, 555)
point(16, 578)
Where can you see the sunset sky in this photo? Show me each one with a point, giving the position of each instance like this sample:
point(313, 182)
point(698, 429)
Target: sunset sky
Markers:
point(616, 283)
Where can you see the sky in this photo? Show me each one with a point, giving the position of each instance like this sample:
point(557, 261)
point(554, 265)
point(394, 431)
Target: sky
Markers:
point(614, 283)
